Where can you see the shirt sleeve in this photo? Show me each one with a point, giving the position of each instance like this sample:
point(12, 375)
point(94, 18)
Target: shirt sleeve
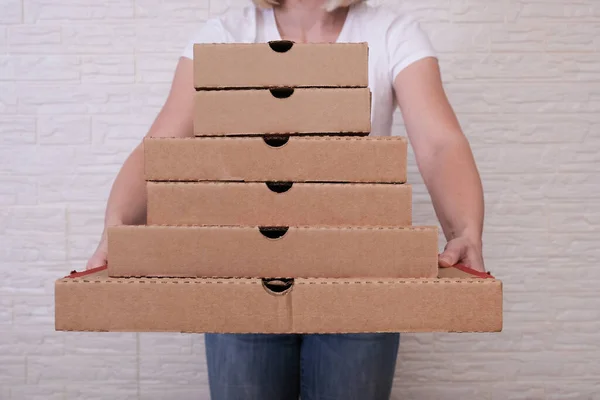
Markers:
point(406, 43)
point(211, 32)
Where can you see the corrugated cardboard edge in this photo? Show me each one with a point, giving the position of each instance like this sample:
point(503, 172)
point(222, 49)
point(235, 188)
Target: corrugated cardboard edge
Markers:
point(458, 271)
point(210, 111)
point(360, 77)
point(317, 184)
point(306, 137)
point(87, 277)
point(277, 204)
point(153, 145)
point(132, 251)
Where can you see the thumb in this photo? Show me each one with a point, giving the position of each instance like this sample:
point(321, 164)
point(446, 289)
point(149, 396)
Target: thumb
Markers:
point(451, 254)
point(92, 263)
point(97, 260)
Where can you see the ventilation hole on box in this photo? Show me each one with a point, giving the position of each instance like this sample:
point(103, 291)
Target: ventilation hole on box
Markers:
point(273, 232)
point(279, 187)
point(282, 92)
point(281, 46)
point(276, 141)
point(277, 287)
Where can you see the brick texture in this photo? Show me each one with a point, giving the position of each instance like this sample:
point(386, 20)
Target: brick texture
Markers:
point(80, 83)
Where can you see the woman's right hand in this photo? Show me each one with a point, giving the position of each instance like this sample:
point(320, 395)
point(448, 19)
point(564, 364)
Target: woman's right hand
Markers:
point(100, 256)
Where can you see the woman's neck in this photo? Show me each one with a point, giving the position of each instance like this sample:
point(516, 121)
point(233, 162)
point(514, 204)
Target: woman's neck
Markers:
point(308, 21)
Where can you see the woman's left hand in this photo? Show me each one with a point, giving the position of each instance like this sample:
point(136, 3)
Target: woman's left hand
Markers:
point(462, 250)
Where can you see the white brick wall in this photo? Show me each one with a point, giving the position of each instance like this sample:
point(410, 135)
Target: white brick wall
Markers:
point(81, 81)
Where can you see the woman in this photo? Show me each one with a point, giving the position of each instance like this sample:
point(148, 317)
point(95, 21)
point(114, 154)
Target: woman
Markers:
point(403, 71)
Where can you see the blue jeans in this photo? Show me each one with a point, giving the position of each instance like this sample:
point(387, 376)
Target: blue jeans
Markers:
point(315, 367)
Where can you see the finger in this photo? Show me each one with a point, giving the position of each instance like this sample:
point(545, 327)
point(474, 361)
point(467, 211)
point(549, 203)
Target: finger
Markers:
point(475, 262)
point(90, 264)
point(478, 267)
point(451, 254)
point(95, 262)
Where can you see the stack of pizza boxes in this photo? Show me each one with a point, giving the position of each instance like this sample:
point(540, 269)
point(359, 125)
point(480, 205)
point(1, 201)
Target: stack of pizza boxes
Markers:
point(283, 214)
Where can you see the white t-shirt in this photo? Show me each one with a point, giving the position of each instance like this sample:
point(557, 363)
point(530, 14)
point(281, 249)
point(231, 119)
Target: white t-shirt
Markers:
point(395, 41)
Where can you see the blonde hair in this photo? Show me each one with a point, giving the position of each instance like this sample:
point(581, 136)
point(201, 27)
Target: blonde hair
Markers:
point(330, 5)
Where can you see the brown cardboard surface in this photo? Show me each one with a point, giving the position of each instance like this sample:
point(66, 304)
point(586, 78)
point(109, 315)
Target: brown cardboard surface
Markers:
point(96, 302)
point(279, 204)
point(367, 159)
point(237, 251)
point(270, 111)
point(245, 65)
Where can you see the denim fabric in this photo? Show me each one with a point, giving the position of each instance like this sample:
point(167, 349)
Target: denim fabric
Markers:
point(314, 367)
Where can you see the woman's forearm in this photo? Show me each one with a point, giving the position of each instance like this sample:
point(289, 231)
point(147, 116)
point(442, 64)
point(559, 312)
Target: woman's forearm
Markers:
point(454, 185)
point(445, 162)
point(127, 200)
